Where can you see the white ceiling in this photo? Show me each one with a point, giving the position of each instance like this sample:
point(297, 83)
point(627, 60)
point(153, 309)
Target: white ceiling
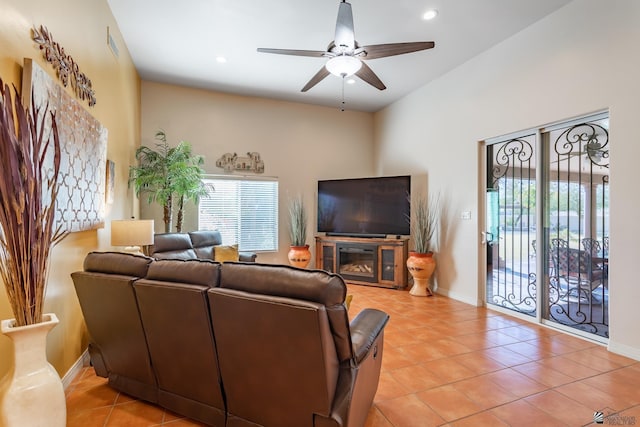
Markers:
point(178, 42)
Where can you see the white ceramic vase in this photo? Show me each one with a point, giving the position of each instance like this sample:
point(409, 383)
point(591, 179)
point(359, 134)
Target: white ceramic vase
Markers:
point(31, 394)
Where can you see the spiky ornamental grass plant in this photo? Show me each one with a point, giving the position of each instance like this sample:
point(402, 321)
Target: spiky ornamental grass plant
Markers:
point(297, 222)
point(27, 203)
point(426, 213)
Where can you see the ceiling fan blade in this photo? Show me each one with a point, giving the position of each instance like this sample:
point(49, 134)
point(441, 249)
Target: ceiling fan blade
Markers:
point(390, 49)
point(345, 34)
point(367, 74)
point(313, 53)
point(316, 79)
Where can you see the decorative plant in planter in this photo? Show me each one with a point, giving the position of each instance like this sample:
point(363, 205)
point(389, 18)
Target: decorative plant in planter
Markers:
point(299, 254)
point(31, 393)
point(167, 174)
point(426, 213)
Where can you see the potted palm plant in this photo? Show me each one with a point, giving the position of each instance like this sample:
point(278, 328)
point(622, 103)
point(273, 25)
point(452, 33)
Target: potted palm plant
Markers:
point(299, 254)
point(420, 263)
point(166, 174)
point(31, 393)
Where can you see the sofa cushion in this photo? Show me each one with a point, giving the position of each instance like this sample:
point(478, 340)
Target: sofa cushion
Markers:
point(203, 242)
point(205, 238)
point(194, 271)
point(173, 246)
point(121, 263)
point(285, 281)
point(224, 253)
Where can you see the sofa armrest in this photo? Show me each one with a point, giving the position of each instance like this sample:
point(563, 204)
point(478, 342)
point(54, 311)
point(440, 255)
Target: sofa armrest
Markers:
point(247, 256)
point(365, 328)
point(358, 382)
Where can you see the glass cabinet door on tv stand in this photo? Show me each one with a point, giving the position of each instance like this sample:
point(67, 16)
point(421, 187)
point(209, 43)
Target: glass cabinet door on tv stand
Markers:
point(364, 261)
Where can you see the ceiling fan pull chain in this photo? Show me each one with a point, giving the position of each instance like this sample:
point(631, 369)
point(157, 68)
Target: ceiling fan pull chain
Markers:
point(342, 106)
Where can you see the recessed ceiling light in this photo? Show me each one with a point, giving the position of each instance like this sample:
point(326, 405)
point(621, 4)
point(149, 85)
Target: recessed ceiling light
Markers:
point(221, 59)
point(430, 14)
point(351, 81)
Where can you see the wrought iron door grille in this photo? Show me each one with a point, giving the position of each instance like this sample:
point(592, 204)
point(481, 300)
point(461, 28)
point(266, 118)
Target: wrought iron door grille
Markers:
point(569, 165)
point(577, 207)
point(511, 274)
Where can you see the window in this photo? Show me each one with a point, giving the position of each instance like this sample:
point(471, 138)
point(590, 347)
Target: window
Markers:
point(245, 211)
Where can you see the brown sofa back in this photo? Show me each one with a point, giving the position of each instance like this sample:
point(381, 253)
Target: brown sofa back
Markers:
point(234, 344)
point(172, 246)
point(204, 242)
point(278, 330)
point(290, 282)
point(173, 306)
point(118, 347)
point(193, 245)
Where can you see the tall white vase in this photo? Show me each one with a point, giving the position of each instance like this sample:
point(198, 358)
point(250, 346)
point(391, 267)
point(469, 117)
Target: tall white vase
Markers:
point(31, 394)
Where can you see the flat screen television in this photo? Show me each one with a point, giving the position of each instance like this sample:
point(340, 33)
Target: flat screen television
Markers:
point(371, 207)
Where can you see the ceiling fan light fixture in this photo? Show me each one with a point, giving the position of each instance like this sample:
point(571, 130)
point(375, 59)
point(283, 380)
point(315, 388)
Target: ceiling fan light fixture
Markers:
point(343, 65)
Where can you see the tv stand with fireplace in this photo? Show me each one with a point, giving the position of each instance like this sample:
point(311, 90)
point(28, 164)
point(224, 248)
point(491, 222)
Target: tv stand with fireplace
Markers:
point(364, 261)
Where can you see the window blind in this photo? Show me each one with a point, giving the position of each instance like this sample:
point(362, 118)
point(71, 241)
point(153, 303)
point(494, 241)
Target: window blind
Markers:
point(245, 211)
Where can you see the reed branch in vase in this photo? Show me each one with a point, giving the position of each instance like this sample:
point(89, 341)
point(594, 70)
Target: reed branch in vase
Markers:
point(30, 158)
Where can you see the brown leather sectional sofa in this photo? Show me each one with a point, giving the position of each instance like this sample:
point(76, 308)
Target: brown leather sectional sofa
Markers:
point(233, 344)
point(193, 245)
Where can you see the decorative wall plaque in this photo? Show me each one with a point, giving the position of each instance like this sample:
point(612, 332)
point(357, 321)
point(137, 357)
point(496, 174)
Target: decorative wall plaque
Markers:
point(66, 68)
point(232, 162)
point(83, 140)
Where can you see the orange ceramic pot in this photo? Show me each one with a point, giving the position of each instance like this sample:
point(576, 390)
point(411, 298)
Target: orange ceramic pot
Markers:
point(421, 267)
point(299, 256)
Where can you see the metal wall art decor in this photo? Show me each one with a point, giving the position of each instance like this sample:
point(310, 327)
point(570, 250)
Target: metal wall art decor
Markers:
point(66, 68)
point(232, 162)
point(83, 140)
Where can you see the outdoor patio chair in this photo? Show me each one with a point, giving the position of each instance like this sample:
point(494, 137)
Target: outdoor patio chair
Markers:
point(592, 246)
point(580, 273)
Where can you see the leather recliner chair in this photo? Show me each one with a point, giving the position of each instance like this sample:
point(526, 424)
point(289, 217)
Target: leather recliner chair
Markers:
point(173, 305)
point(118, 346)
point(287, 353)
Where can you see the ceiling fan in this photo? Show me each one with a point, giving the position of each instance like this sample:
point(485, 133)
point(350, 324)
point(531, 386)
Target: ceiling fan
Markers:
point(592, 144)
point(346, 55)
point(593, 151)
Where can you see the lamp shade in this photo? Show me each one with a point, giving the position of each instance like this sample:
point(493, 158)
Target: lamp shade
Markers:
point(132, 232)
point(343, 66)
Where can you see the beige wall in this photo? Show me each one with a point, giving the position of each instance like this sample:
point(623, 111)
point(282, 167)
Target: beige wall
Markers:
point(299, 143)
point(529, 80)
point(581, 59)
point(81, 28)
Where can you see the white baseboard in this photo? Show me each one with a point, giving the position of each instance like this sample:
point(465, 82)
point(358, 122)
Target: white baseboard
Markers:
point(624, 350)
point(457, 297)
point(75, 369)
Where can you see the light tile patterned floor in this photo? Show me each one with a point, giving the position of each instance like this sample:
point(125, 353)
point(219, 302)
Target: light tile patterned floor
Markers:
point(444, 363)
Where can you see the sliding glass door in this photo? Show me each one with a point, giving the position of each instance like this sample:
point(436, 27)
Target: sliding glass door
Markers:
point(547, 224)
point(511, 225)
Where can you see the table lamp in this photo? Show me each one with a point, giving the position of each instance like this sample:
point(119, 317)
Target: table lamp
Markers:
point(132, 233)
